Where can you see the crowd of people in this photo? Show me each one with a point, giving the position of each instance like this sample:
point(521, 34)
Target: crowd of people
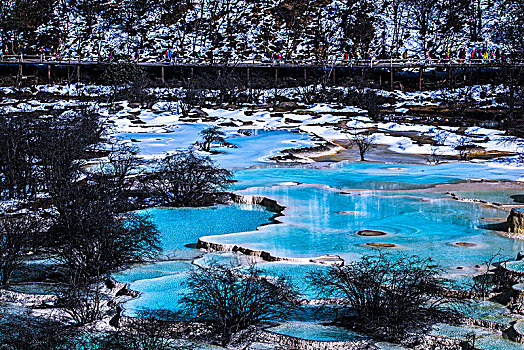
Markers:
point(462, 55)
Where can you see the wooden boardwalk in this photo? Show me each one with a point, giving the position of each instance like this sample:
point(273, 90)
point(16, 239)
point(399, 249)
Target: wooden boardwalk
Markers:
point(184, 63)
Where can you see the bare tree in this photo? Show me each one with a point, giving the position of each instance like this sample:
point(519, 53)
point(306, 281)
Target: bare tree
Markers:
point(17, 156)
point(439, 138)
point(366, 99)
point(389, 294)
point(520, 153)
point(89, 236)
point(488, 281)
point(236, 299)
point(62, 144)
point(16, 234)
point(25, 332)
point(364, 141)
point(212, 135)
point(358, 24)
point(151, 330)
point(187, 179)
point(81, 299)
point(435, 155)
point(189, 97)
point(464, 147)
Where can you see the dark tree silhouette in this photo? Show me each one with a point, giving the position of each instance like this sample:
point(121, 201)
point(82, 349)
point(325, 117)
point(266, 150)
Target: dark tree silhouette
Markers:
point(236, 299)
point(17, 156)
point(364, 141)
point(212, 135)
point(389, 294)
point(89, 237)
point(16, 234)
point(152, 330)
point(187, 179)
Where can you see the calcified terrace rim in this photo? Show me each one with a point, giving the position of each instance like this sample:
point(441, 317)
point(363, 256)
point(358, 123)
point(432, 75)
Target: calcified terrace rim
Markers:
point(273, 206)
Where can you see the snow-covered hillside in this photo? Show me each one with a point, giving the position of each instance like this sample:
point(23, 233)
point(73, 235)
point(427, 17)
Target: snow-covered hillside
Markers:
point(242, 29)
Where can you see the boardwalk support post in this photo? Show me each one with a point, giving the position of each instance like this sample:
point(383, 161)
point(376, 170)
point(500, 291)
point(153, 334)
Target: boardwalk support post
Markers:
point(392, 74)
point(49, 73)
point(162, 74)
point(20, 73)
point(305, 76)
point(420, 71)
point(78, 73)
point(276, 77)
point(249, 84)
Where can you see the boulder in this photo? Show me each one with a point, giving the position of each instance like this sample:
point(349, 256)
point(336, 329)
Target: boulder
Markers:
point(516, 220)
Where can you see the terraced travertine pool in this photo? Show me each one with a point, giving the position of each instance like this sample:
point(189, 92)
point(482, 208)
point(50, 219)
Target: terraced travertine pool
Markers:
point(325, 208)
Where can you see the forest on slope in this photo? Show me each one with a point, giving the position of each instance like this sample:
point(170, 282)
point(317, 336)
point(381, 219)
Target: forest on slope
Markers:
point(249, 29)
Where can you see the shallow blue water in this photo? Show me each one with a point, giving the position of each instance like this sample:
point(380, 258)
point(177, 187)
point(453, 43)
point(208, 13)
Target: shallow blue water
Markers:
point(151, 143)
point(322, 216)
point(484, 339)
point(181, 226)
point(315, 331)
point(251, 150)
point(502, 196)
point(259, 147)
point(320, 221)
point(376, 176)
point(161, 284)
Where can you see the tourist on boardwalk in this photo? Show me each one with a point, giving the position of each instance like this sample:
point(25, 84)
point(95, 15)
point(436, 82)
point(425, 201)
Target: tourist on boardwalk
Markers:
point(428, 57)
point(405, 55)
point(462, 55)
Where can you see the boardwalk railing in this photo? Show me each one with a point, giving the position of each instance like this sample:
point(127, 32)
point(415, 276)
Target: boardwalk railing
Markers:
point(193, 62)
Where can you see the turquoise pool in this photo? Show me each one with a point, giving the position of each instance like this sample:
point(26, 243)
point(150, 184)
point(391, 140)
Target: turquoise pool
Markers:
point(254, 149)
point(325, 208)
point(320, 220)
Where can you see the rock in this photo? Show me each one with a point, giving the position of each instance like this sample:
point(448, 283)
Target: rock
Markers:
point(201, 113)
point(514, 332)
point(371, 233)
point(270, 204)
point(518, 198)
point(285, 106)
point(466, 244)
point(381, 245)
point(516, 220)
